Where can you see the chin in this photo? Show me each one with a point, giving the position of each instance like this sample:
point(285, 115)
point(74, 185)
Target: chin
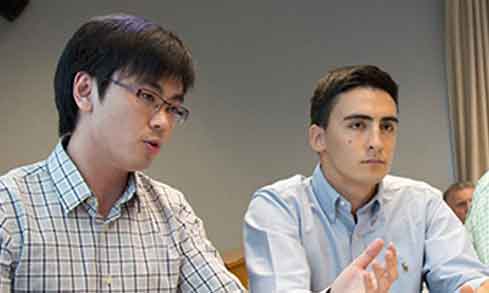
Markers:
point(374, 179)
point(140, 166)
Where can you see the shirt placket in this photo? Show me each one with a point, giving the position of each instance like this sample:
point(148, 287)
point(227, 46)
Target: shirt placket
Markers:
point(358, 236)
point(366, 231)
point(104, 276)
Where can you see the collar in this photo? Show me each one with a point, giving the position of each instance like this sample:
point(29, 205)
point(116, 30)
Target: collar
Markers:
point(331, 202)
point(69, 183)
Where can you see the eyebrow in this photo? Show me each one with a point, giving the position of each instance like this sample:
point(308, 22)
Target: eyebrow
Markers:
point(366, 117)
point(157, 87)
point(154, 85)
point(178, 97)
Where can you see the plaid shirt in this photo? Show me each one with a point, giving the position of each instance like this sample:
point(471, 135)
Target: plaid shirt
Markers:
point(477, 221)
point(52, 240)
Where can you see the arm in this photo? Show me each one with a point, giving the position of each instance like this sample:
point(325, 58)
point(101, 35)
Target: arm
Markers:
point(450, 260)
point(202, 269)
point(478, 219)
point(275, 258)
point(6, 263)
point(6, 246)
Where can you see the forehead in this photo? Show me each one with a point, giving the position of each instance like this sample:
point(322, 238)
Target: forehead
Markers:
point(372, 102)
point(464, 193)
point(158, 83)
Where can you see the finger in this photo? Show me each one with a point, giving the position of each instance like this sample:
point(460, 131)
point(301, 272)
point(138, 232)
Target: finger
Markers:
point(369, 282)
point(467, 289)
point(484, 287)
point(381, 275)
point(369, 254)
point(378, 269)
point(391, 262)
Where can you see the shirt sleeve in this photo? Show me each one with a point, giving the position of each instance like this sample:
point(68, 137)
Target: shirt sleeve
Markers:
point(478, 219)
point(202, 269)
point(275, 257)
point(6, 247)
point(450, 260)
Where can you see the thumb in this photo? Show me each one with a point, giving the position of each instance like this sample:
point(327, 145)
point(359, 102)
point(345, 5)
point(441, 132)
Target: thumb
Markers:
point(466, 289)
point(369, 254)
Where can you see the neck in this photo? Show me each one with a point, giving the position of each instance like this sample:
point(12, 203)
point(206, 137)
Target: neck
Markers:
point(357, 193)
point(105, 180)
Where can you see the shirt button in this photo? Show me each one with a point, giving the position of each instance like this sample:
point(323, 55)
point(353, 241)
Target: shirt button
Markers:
point(108, 280)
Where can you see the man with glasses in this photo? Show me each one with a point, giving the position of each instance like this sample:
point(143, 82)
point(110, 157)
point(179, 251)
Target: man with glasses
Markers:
point(86, 219)
point(301, 233)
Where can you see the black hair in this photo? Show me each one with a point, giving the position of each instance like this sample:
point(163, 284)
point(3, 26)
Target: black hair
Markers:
point(121, 43)
point(343, 79)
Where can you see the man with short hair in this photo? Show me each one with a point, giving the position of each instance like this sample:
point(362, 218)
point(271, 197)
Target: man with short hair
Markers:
point(458, 196)
point(86, 219)
point(301, 233)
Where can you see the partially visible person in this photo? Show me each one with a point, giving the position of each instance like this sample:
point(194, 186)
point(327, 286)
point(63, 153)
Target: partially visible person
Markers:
point(477, 222)
point(302, 233)
point(458, 196)
point(86, 219)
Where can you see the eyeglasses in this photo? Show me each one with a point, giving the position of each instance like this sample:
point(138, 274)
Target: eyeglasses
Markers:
point(154, 102)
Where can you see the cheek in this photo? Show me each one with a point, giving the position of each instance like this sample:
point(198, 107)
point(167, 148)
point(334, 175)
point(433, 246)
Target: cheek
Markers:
point(390, 145)
point(394, 141)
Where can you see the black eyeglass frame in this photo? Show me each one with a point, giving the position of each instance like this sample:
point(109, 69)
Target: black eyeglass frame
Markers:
point(179, 112)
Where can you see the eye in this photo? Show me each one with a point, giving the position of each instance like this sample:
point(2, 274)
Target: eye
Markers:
point(146, 96)
point(357, 125)
point(173, 109)
point(388, 126)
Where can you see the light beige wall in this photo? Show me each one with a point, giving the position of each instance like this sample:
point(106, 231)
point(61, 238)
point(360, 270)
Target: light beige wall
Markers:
point(257, 64)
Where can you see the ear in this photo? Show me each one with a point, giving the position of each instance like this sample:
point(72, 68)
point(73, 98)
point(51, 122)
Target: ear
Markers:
point(83, 87)
point(317, 138)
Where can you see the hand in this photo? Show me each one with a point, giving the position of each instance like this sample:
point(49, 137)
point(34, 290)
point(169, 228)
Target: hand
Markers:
point(484, 288)
point(356, 279)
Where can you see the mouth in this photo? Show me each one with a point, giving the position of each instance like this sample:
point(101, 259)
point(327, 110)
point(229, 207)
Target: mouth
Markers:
point(374, 162)
point(153, 146)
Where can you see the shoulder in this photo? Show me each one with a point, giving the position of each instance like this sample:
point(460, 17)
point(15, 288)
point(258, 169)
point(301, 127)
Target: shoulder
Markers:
point(484, 181)
point(290, 189)
point(161, 195)
point(481, 192)
point(287, 197)
point(23, 171)
point(480, 204)
point(287, 186)
point(16, 185)
point(413, 197)
point(410, 188)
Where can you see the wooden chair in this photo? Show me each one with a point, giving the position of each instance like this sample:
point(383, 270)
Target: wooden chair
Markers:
point(235, 263)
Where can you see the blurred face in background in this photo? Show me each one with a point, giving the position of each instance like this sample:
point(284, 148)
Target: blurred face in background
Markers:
point(459, 201)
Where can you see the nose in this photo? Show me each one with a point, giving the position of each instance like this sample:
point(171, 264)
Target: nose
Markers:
point(161, 120)
point(375, 141)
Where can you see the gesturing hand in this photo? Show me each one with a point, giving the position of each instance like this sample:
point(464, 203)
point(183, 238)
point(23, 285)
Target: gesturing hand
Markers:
point(484, 288)
point(356, 279)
